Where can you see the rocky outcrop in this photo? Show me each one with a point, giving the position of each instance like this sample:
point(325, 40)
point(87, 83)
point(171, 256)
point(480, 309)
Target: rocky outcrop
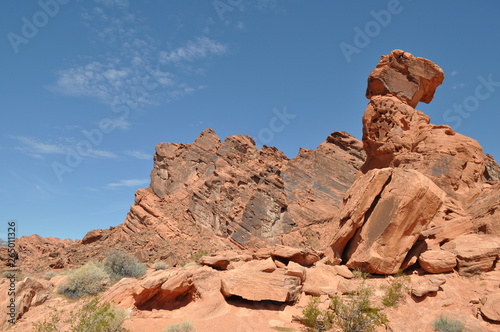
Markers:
point(395, 134)
point(29, 293)
point(246, 194)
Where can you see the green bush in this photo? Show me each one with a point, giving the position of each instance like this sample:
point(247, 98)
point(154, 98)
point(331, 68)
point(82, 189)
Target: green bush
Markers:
point(160, 265)
point(356, 313)
point(49, 275)
point(444, 325)
point(395, 292)
point(86, 280)
point(314, 318)
point(119, 265)
point(185, 326)
point(92, 317)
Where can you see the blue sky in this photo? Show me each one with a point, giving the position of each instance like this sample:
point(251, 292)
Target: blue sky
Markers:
point(90, 87)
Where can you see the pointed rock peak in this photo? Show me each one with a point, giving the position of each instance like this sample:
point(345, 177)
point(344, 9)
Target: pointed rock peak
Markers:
point(208, 140)
point(409, 78)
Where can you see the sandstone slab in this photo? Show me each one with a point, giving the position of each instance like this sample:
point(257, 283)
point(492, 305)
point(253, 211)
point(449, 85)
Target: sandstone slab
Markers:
point(475, 252)
point(260, 286)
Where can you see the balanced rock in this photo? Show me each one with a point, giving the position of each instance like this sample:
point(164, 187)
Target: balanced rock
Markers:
point(383, 215)
point(395, 134)
point(410, 78)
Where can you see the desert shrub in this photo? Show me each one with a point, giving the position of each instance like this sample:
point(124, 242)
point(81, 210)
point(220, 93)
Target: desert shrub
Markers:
point(358, 274)
point(185, 326)
point(395, 291)
point(97, 317)
point(160, 265)
point(49, 275)
point(314, 318)
point(92, 317)
point(447, 325)
point(356, 313)
point(119, 265)
point(86, 280)
point(48, 325)
point(199, 254)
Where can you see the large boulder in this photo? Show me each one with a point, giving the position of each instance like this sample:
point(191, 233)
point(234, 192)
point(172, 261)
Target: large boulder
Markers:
point(437, 261)
point(383, 215)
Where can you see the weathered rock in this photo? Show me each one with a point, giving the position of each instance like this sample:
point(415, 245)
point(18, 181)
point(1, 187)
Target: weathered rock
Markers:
point(29, 292)
point(343, 271)
point(492, 169)
point(260, 286)
point(265, 265)
point(409, 78)
point(430, 284)
point(475, 252)
point(164, 289)
point(321, 280)
point(383, 215)
point(221, 260)
point(491, 307)
point(92, 236)
point(298, 255)
point(296, 270)
point(397, 135)
point(437, 261)
point(485, 210)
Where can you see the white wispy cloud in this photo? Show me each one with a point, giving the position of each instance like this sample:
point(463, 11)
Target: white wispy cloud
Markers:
point(37, 148)
point(200, 48)
point(134, 70)
point(129, 183)
point(454, 73)
point(138, 154)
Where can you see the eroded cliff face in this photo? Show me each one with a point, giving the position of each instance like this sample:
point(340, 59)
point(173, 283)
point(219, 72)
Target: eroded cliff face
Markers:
point(251, 195)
